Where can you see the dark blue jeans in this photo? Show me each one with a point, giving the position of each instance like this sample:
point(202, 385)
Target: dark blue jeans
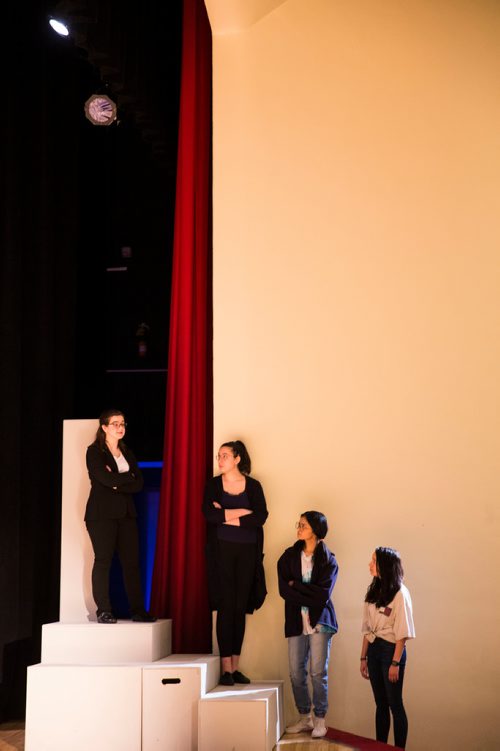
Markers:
point(388, 696)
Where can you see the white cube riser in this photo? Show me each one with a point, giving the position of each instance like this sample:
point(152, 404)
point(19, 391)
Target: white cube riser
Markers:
point(80, 708)
point(233, 728)
point(91, 643)
point(208, 664)
point(169, 719)
point(170, 710)
point(246, 718)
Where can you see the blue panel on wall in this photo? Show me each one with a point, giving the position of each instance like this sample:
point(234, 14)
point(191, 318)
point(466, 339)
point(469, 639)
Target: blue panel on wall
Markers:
point(147, 504)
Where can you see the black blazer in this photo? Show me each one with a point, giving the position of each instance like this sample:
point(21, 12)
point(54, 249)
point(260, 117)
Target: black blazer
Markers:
point(111, 491)
point(215, 517)
point(315, 595)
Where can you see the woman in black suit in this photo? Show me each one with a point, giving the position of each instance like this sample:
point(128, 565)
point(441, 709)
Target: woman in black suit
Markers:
point(111, 516)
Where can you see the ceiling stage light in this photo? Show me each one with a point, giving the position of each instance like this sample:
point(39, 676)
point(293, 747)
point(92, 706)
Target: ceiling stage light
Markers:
point(59, 27)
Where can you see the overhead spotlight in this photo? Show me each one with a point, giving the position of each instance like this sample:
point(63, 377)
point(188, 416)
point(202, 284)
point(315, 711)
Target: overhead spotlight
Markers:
point(59, 27)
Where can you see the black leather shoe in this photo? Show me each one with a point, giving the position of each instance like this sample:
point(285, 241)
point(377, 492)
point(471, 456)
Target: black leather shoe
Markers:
point(240, 678)
point(106, 617)
point(143, 617)
point(226, 679)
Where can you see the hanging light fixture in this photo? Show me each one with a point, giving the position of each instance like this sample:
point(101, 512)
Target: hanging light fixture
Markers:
point(100, 109)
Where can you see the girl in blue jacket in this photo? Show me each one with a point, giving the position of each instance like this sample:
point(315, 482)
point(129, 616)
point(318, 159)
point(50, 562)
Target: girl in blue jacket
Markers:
point(306, 573)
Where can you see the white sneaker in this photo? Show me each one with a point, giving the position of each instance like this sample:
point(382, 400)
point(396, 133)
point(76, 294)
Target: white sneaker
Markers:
point(320, 728)
point(304, 725)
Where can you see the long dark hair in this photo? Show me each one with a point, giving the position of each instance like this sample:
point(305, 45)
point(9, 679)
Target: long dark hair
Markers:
point(104, 418)
point(239, 449)
point(321, 552)
point(387, 584)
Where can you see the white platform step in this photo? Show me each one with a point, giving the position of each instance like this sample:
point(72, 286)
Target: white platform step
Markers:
point(127, 707)
point(95, 643)
point(241, 718)
point(172, 689)
point(83, 707)
point(208, 665)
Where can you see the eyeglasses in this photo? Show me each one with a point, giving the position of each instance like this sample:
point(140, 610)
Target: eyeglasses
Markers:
point(117, 425)
point(301, 525)
point(223, 457)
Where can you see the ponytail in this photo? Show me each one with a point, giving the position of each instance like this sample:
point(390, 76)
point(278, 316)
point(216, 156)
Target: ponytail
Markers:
point(239, 449)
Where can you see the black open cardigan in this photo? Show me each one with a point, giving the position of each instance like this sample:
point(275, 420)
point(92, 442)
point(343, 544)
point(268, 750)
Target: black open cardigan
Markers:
point(215, 517)
point(316, 595)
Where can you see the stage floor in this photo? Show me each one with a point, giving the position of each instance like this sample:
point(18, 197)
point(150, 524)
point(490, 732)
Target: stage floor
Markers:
point(12, 736)
point(12, 739)
point(304, 742)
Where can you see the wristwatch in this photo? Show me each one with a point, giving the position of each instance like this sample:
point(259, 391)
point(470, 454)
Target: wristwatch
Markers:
point(396, 664)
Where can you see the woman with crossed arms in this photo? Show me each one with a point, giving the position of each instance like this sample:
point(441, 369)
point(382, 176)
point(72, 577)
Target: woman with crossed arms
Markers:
point(110, 516)
point(307, 573)
point(235, 509)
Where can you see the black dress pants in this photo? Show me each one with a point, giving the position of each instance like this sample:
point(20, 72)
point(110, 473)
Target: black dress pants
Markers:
point(108, 536)
point(388, 696)
point(236, 565)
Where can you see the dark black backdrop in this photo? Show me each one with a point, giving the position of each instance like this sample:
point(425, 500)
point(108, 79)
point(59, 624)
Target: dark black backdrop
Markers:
point(72, 196)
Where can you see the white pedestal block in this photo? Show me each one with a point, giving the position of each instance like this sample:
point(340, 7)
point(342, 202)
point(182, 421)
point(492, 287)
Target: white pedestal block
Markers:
point(241, 718)
point(83, 707)
point(91, 643)
point(209, 664)
point(77, 556)
point(171, 691)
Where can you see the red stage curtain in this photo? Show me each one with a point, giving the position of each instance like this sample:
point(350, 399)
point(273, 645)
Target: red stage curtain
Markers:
point(179, 582)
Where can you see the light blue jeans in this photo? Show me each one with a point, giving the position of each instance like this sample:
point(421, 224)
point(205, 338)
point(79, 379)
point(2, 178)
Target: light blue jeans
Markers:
point(316, 647)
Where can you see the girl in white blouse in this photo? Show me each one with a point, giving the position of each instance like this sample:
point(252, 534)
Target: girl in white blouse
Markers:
point(387, 625)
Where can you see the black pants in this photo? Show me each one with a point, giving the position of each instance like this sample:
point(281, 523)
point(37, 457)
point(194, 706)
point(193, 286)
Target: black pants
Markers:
point(236, 567)
point(108, 535)
point(388, 696)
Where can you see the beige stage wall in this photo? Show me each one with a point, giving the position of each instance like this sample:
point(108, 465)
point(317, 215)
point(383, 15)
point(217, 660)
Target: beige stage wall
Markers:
point(356, 323)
